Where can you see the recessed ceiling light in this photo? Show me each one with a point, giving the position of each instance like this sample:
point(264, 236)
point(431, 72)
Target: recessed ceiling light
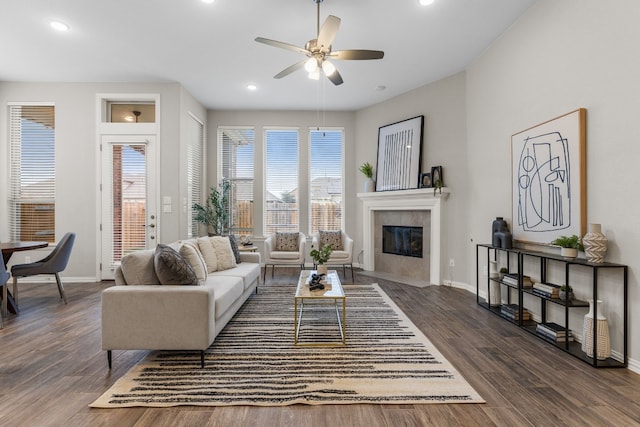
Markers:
point(380, 88)
point(250, 87)
point(426, 2)
point(59, 26)
point(208, 1)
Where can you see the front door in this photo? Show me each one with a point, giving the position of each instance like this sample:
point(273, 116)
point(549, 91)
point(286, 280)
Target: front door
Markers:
point(129, 219)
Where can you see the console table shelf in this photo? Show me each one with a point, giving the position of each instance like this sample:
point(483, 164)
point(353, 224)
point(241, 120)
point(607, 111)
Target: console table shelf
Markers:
point(516, 259)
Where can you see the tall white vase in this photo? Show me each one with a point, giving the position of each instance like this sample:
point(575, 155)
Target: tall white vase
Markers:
point(595, 244)
point(601, 330)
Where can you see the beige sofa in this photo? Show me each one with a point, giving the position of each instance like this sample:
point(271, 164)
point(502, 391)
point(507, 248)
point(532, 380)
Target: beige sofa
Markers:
point(141, 314)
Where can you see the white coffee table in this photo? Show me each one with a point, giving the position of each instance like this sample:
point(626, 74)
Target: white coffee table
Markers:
point(332, 294)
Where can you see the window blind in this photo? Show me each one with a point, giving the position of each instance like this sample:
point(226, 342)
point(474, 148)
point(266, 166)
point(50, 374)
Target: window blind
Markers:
point(32, 172)
point(281, 181)
point(326, 167)
point(195, 158)
point(236, 153)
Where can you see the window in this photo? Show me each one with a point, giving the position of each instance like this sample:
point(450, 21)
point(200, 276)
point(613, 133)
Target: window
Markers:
point(195, 157)
point(326, 171)
point(281, 179)
point(236, 148)
point(32, 172)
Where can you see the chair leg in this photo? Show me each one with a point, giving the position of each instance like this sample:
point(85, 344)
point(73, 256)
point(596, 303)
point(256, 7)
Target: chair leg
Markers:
point(273, 268)
point(4, 299)
point(61, 288)
point(15, 290)
point(344, 271)
point(353, 279)
point(109, 358)
point(202, 358)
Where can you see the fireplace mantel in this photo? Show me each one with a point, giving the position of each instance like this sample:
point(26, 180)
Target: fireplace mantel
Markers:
point(404, 200)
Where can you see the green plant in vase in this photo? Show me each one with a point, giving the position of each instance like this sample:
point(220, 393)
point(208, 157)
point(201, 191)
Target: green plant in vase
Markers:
point(215, 212)
point(320, 257)
point(569, 245)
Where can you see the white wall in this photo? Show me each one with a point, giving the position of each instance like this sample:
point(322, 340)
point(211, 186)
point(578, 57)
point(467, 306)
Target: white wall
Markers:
point(77, 186)
point(560, 56)
point(443, 105)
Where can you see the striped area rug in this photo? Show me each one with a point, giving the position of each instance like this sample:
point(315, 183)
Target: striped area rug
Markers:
point(253, 360)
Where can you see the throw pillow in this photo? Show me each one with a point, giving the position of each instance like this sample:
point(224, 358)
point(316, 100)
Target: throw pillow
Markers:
point(234, 248)
point(173, 269)
point(287, 242)
point(208, 253)
point(137, 268)
point(191, 253)
point(224, 254)
point(332, 238)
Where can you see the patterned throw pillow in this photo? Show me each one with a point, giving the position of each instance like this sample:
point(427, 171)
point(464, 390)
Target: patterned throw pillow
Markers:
point(333, 238)
point(171, 268)
point(224, 253)
point(287, 242)
point(208, 253)
point(234, 248)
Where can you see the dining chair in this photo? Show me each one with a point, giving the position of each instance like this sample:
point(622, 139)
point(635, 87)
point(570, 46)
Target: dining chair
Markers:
point(4, 277)
point(54, 263)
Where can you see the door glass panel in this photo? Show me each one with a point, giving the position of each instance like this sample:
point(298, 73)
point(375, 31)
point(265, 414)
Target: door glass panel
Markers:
point(129, 200)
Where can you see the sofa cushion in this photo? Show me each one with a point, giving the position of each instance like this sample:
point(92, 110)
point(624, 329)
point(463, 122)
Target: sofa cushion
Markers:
point(224, 255)
point(287, 242)
point(228, 290)
point(249, 273)
point(189, 251)
point(234, 248)
point(333, 238)
point(171, 268)
point(138, 268)
point(208, 253)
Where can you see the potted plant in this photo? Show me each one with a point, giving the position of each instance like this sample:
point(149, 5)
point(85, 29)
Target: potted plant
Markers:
point(503, 271)
point(215, 214)
point(437, 186)
point(367, 171)
point(320, 257)
point(566, 293)
point(569, 246)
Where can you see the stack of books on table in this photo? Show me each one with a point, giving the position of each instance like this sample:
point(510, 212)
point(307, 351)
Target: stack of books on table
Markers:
point(512, 311)
point(512, 279)
point(547, 290)
point(554, 332)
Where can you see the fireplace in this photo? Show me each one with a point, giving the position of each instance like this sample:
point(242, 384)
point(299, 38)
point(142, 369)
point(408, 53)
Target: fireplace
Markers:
point(406, 203)
point(402, 240)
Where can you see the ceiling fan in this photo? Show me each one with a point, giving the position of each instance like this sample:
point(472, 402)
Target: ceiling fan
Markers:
point(318, 51)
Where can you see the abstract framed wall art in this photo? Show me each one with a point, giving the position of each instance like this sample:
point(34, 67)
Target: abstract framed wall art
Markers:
point(548, 170)
point(399, 155)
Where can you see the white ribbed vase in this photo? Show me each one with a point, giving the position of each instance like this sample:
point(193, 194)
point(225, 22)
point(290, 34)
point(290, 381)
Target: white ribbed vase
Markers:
point(595, 244)
point(601, 330)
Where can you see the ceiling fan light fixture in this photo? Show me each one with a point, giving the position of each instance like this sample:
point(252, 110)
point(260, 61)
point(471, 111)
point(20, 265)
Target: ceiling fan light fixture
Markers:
point(328, 68)
point(315, 75)
point(311, 65)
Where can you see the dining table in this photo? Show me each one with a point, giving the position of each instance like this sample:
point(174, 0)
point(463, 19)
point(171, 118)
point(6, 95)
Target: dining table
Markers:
point(8, 249)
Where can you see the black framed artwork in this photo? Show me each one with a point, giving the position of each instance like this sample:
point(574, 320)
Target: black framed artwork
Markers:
point(399, 155)
point(437, 179)
point(425, 180)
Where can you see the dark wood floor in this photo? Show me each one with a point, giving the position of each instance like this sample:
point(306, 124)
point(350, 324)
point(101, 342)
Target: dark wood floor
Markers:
point(52, 368)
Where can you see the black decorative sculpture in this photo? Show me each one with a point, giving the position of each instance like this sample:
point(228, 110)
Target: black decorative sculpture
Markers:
point(500, 235)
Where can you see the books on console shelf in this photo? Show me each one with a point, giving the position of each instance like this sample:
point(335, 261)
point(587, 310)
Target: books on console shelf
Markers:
point(512, 311)
point(554, 332)
point(548, 290)
point(512, 279)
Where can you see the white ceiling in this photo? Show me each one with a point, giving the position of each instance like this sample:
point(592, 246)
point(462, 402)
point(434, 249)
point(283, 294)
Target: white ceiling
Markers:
point(210, 48)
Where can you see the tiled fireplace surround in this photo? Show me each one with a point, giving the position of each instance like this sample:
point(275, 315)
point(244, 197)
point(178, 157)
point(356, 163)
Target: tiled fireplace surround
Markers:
point(416, 207)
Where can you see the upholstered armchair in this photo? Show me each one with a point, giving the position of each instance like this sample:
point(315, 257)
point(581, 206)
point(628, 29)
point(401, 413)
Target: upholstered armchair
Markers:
point(343, 248)
point(283, 248)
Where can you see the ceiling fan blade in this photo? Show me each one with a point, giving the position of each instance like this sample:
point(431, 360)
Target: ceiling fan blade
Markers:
point(336, 78)
point(328, 31)
point(290, 69)
point(283, 45)
point(357, 54)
